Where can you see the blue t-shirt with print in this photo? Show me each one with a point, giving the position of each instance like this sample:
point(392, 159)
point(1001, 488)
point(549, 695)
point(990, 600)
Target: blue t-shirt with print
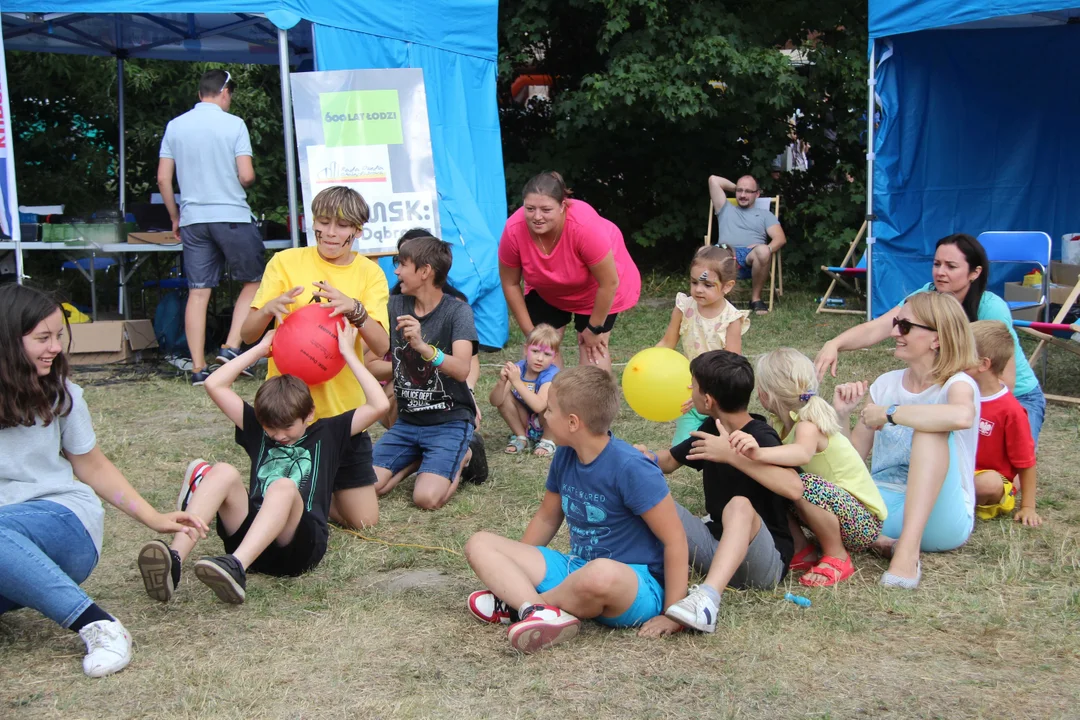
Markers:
point(991, 307)
point(546, 375)
point(603, 502)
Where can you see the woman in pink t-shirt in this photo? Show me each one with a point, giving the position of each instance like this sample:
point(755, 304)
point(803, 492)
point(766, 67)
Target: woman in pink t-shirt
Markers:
point(573, 261)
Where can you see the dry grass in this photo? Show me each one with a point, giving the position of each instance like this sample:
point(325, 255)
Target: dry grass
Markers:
point(992, 633)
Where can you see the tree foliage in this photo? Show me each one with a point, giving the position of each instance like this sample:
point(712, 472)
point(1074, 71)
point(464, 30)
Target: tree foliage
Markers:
point(650, 97)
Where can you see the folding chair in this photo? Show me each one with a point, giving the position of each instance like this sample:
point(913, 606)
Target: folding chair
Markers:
point(776, 266)
point(842, 273)
point(1046, 338)
point(1021, 247)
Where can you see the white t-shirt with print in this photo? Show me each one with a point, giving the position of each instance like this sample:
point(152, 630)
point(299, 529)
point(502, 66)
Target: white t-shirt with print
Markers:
point(892, 444)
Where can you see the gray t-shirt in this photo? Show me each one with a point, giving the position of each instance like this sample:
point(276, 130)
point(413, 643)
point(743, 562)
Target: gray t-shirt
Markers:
point(425, 395)
point(743, 227)
point(33, 467)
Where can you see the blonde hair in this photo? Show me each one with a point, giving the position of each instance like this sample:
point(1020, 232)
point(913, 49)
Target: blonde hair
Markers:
point(343, 203)
point(956, 345)
point(788, 378)
point(544, 334)
point(994, 341)
point(590, 393)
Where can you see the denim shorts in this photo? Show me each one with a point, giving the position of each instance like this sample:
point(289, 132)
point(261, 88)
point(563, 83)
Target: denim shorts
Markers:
point(1034, 402)
point(208, 247)
point(741, 253)
point(439, 448)
point(650, 596)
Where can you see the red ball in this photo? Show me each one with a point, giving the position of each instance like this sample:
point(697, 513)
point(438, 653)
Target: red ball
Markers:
point(306, 345)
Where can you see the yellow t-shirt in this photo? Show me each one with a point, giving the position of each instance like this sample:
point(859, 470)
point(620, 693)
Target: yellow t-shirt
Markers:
point(362, 279)
point(840, 464)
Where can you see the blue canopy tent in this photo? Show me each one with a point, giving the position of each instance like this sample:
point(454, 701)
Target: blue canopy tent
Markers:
point(453, 41)
point(977, 106)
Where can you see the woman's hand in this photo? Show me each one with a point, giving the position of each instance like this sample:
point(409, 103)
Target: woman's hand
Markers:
point(178, 522)
point(594, 346)
point(279, 306)
point(339, 301)
point(826, 360)
point(873, 416)
point(847, 396)
point(346, 339)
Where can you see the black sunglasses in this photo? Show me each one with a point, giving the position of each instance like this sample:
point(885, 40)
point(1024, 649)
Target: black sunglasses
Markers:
point(904, 326)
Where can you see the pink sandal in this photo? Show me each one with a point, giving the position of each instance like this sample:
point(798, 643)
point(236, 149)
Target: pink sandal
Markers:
point(799, 563)
point(833, 569)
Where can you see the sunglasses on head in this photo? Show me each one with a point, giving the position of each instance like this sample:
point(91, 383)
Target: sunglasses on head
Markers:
point(904, 326)
point(225, 85)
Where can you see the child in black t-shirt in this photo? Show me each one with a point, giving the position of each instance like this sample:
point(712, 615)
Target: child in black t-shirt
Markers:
point(280, 526)
point(431, 343)
point(746, 542)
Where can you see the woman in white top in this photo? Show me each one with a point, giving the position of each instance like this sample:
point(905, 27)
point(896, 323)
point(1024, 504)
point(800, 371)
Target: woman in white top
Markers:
point(51, 520)
point(922, 423)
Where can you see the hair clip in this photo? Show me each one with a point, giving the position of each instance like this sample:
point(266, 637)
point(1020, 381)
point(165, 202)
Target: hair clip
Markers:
point(805, 397)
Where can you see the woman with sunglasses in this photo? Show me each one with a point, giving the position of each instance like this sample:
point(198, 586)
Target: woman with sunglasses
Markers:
point(922, 424)
point(960, 270)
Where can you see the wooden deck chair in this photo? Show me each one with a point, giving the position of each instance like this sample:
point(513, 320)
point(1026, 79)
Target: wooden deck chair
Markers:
point(776, 268)
point(844, 272)
point(1046, 339)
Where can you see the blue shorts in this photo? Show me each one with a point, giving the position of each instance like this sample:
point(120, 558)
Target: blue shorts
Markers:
point(650, 596)
point(1034, 402)
point(741, 253)
point(439, 448)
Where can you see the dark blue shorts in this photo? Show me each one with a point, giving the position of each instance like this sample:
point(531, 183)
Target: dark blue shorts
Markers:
point(208, 247)
point(439, 448)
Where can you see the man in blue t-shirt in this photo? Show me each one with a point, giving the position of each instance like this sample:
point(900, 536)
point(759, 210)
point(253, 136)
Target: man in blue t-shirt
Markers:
point(628, 552)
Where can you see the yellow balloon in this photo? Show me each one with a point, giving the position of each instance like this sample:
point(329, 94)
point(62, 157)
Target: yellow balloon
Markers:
point(656, 383)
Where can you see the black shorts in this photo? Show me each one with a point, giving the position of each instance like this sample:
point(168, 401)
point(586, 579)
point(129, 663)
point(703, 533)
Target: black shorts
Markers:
point(302, 554)
point(541, 312)
point(208, 247)
point(356, 470)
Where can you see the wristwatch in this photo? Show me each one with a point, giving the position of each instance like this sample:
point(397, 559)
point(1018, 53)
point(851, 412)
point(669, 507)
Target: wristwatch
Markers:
point(595, 329)
point(889, 413)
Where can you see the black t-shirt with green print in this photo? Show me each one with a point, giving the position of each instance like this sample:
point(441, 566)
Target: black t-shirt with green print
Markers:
point(311, 462)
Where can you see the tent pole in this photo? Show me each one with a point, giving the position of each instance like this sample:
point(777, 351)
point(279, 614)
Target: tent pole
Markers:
point(870, 239)
point(287, 124)
point(122, 176)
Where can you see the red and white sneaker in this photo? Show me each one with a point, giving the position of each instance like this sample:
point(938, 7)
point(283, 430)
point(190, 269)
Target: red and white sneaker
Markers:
point(196, 470)
point(486, 607)
point(542, 626)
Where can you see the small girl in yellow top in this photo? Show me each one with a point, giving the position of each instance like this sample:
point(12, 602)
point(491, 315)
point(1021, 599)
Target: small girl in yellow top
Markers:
point(705, 320)
point(840, 502)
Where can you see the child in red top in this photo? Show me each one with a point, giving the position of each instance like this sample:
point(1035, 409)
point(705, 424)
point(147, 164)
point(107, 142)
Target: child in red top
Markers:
point(1005, 448)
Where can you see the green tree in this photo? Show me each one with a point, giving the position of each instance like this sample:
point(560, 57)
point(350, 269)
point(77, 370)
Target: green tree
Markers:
point(652, 96)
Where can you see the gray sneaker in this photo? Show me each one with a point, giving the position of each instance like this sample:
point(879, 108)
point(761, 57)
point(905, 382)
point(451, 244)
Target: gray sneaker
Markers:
point(225, 576)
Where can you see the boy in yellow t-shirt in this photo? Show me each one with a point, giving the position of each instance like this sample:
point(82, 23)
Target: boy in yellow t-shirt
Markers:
point(357, 289)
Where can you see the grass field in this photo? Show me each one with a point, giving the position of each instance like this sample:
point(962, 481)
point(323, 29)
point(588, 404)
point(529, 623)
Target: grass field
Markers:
point(380, 629)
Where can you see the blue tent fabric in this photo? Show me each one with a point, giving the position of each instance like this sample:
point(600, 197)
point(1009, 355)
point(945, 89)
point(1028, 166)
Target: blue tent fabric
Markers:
point(894, 17)
point(467, 150)
point(977, 133)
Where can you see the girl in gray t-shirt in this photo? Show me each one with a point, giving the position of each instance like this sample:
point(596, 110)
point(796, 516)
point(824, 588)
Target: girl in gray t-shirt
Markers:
point(51, 521)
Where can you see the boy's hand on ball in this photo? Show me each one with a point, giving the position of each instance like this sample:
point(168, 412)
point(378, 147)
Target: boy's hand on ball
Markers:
point(279, 306)
point(266, 343)
point(346, 339)
point(339, 301)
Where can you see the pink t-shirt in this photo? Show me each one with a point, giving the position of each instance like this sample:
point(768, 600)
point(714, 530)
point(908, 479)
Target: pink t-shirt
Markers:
point(562, 278)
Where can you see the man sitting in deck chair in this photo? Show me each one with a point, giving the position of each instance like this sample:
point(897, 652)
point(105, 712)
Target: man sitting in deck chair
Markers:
point(754, 233)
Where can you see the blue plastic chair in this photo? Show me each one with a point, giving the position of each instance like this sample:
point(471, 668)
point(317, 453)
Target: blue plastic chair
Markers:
point(1021, 247)
point(84, 264)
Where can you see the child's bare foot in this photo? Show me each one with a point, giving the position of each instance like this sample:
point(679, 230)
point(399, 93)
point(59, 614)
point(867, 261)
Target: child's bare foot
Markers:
point(544, 448)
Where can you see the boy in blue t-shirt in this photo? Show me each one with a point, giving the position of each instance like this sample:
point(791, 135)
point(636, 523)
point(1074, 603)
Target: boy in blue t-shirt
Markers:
point(628, 553)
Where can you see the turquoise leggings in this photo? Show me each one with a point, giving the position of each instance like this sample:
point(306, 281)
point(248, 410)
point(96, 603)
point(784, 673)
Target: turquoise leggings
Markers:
point(951, 520)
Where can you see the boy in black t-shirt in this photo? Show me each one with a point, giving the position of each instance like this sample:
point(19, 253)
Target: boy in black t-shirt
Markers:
point(747, 542)
point(280, 526)
point(431, 343)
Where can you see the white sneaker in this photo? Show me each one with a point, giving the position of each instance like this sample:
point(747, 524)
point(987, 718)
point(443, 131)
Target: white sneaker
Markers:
point(108, 648)
point(695, 611)
point(194, 474)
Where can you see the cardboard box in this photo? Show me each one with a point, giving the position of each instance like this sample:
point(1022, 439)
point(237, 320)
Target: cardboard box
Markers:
point(110, 341)
point(152, 238)
point(1062, 279)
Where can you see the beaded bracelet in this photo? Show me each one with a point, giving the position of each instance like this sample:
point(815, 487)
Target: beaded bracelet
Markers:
point(358, 317)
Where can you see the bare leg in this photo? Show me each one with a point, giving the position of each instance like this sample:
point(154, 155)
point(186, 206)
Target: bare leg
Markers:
point(825, 525)
point(355, 507)
point(989, 488)
point(926, 474)
point(741, 525)
point(431, 491)
point(222, 493)
point(508, 568)
point(240, 313)
point(387, 481)
point(759, 260)
point(602, 587)
point(510, 409)
point(798, 537)
point(276, 521)
point(195, 326)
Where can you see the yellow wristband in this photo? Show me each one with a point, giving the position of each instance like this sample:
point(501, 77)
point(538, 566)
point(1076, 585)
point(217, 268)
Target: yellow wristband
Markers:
point(434, 352)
